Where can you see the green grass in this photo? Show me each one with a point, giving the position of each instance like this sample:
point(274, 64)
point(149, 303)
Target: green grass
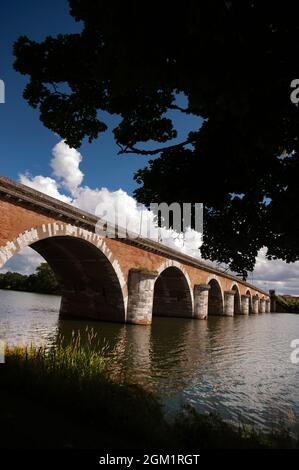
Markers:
point(64, 396)
point(289, 306)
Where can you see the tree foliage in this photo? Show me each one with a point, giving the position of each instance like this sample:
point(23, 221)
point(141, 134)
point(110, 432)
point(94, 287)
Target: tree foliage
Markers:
point(43, 281)
point(234, 61)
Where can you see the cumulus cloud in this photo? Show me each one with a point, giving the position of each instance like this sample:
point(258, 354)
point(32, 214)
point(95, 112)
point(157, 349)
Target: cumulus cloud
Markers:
point(276, 274)
point(113, 206)
point(65, 164)
point(44, 184)
point(120, 209)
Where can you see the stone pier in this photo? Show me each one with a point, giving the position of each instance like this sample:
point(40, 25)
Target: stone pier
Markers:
point(201, 298)
point(255, 304)
point(141, 290)
point(262, 306)
point(245, 299)
point(229, 297)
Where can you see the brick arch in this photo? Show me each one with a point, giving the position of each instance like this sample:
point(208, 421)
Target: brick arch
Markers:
point(215, 296)
point(179, 266)
point(173, 295)
point(235, 285)
point(248, 292)
point(216, 278)
point(47, 238)
point(237, 298)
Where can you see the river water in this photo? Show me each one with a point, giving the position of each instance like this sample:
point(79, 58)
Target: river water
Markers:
point(239, 367)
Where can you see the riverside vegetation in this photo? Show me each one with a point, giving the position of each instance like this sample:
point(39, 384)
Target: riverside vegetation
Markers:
point(42, 281)
point(66, 397)
point(287, 305)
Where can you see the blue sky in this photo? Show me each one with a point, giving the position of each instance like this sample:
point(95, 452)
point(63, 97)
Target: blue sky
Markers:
point(25, 144)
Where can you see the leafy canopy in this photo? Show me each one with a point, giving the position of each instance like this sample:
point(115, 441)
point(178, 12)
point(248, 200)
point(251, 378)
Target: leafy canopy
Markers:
point(234, 61)
point(43, 281)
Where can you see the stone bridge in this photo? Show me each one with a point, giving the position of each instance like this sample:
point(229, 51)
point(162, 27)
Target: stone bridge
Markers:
point(116, 279)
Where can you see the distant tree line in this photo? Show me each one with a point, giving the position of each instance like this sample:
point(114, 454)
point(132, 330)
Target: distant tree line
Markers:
point(42, 281)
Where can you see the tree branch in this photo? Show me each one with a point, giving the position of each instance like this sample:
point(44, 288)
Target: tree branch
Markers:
point(178, 108)
point(128, 149)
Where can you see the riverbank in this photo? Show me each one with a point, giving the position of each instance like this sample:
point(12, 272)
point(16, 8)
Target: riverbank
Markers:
point(284, 305)
point(64, 397)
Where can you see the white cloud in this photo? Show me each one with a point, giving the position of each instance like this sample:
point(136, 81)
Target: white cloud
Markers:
point(276, 274)
point(117, 207)
point(44, 184)
point(65, 164)
point(105, 203)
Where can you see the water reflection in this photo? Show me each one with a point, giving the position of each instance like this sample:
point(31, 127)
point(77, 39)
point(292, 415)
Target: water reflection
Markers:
point(238, 366)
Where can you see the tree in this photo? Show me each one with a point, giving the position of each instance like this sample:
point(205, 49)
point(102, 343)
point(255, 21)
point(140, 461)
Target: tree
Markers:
point(43, 281)
point(234, 61)
point(13, 281)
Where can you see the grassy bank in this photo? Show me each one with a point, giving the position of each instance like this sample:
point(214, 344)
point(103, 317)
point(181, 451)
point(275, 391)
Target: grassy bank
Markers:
point(65, 397)
point(287, 305)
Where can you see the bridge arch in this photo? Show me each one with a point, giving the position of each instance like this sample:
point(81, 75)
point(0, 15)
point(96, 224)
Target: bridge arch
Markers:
point(91, 281)
point(215, 297)
point(237, 299)
point(173, 296)
point(248, 292)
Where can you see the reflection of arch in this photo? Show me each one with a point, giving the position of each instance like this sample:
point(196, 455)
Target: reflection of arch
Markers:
point(172, 292)
point(91, 281)
point(248, 292)
point(215, 298)
point(237, 299)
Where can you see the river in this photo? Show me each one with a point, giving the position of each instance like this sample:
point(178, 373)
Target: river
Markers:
point(239, 366)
